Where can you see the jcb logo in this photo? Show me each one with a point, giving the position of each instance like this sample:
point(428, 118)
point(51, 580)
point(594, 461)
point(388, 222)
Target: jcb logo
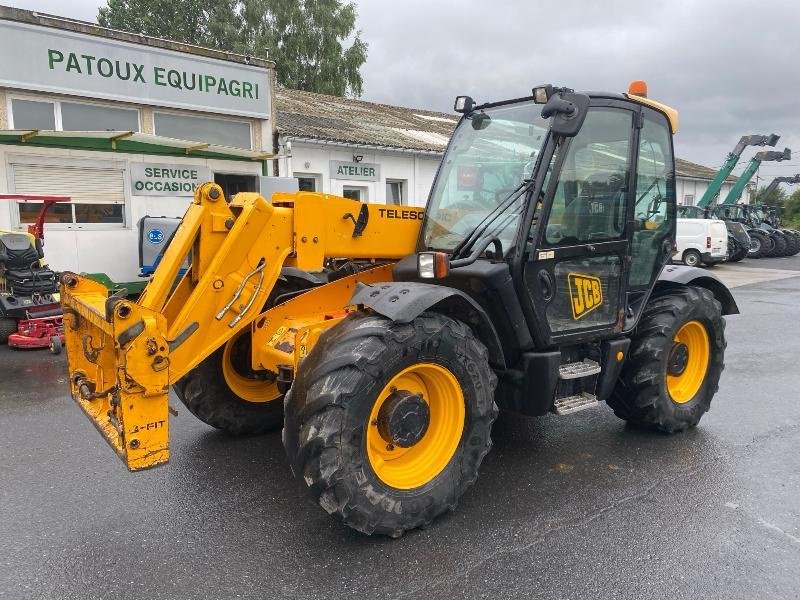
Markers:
point(585, 293)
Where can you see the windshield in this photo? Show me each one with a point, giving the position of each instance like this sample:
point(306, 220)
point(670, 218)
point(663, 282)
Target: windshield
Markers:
point(493, 151)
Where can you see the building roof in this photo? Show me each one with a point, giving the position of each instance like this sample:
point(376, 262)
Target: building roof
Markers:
point(74, 25)
point(306, 115)
point(319, 117)
point(684, 168)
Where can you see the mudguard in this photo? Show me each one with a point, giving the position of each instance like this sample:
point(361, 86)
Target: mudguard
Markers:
point(404, 301)
point(682, 275)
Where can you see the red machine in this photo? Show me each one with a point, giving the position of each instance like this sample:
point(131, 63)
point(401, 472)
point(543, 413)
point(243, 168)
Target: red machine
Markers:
point(30, 315)
point(40, 332)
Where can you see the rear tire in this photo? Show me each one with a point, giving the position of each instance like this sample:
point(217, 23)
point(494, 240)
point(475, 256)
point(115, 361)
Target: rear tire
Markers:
point(7, 327)
point(331, 434)
point(692, 258)
point(646, 393)
point(56, 345)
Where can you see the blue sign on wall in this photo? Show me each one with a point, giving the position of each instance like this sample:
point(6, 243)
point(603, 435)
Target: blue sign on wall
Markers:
point(155, 236)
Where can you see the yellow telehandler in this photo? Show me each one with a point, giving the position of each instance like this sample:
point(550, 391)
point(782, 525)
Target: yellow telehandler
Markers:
point(383, 339)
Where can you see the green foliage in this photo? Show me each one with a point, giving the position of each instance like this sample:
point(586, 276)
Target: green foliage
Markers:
point(307, 39)
point(777, 197)
point(791, 211)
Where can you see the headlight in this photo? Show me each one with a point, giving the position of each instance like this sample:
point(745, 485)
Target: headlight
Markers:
point(433, 265)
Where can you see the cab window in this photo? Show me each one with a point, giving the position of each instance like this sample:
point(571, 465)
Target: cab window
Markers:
point(654, 212)
point(589, 200)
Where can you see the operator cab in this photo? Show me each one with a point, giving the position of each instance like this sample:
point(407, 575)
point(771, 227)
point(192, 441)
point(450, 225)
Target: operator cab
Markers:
point(555, 210)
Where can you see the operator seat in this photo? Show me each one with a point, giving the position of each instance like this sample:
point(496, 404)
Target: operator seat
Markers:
point(598, 210)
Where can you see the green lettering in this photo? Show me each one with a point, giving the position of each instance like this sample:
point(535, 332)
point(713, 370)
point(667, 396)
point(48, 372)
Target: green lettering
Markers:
point(210, 81)
point(148, 171)
point(256, 91)
point(247, 90)
point(72, 63)
point(54, 56)
point(105, 67)
point(222, 88)
point(158, 76)
point(174, 78)
point(235, 88)
point(88, 60)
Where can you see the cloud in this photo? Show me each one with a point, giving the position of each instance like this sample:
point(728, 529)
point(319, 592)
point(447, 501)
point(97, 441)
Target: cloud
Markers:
point(728, 66)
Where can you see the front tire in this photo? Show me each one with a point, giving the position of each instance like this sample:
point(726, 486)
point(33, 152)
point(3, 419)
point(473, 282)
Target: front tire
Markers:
point(7, 327)
point(760, 245)
point(779, 248)
point(224, 392)
point(674, 363)
point(341, 432)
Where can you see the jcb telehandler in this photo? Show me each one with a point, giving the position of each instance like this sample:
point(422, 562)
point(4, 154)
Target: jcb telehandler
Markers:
point(383, 339)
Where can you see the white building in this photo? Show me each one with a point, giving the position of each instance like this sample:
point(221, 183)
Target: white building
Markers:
point(126, 126)
point(362, 150)
point(692, 181)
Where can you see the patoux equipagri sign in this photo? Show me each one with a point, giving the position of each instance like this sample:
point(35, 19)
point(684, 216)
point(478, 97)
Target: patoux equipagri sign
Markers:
point(71, 63)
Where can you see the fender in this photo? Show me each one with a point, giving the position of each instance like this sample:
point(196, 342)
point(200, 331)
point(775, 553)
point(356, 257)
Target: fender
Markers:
point(402, 302)
point(682, 275)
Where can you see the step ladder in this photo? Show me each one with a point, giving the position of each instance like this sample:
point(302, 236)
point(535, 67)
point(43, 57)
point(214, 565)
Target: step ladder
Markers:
point(572, 404)
point(583, 400)
point(576, 370)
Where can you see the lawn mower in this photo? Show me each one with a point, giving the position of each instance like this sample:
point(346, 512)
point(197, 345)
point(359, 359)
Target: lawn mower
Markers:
point(30, 314)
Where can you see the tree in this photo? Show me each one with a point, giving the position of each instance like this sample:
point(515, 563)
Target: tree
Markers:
point(791, 210)
point(305, 38)
point(777, 197)
point(210, 23)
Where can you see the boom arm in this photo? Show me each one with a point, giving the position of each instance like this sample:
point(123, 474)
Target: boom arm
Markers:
point(737, 189)
point(730, 162)
point(779, 180)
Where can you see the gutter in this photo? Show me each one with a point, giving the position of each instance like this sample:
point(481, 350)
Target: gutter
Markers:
point(319, 142)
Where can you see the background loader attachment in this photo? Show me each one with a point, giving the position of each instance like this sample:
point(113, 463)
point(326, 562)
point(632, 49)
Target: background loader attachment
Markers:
point(123, 356)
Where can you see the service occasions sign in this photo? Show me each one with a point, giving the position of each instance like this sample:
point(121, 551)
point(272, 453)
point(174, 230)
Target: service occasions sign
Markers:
point(157, 179)
point(65, 62)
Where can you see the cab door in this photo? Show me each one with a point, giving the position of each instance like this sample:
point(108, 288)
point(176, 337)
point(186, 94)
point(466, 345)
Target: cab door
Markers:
point(577, 273)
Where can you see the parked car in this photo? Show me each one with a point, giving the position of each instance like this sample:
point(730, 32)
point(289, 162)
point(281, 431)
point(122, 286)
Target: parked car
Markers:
point(701, 242)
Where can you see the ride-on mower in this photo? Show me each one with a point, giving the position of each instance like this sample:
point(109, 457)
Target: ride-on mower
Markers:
point(383, 339)
point(30, 313)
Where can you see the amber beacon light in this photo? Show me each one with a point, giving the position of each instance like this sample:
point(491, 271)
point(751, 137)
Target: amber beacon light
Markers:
point(638, 88)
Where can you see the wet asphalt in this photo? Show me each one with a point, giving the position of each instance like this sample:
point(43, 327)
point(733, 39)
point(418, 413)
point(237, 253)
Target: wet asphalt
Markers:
point(580, 506)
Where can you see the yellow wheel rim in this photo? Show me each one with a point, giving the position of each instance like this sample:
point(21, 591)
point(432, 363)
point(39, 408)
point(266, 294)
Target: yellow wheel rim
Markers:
point(683, 387)
point(240, 378)
point(407, 468)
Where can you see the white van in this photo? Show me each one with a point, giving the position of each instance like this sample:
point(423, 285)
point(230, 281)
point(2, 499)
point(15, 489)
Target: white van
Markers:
point(701, 241)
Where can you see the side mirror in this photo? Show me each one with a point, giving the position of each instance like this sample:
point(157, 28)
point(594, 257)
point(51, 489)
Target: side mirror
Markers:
point(568, 111)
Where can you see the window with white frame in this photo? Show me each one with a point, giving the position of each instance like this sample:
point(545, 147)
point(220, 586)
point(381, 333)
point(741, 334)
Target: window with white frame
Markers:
point(355, 192)
point(396, 191)
point(226, 132)
point(97, 192)
point(63, 115)
point(688, 199)
point(308, 182)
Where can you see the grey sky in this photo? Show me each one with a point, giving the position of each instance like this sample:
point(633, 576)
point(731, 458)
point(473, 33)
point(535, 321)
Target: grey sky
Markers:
point(729, 66)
